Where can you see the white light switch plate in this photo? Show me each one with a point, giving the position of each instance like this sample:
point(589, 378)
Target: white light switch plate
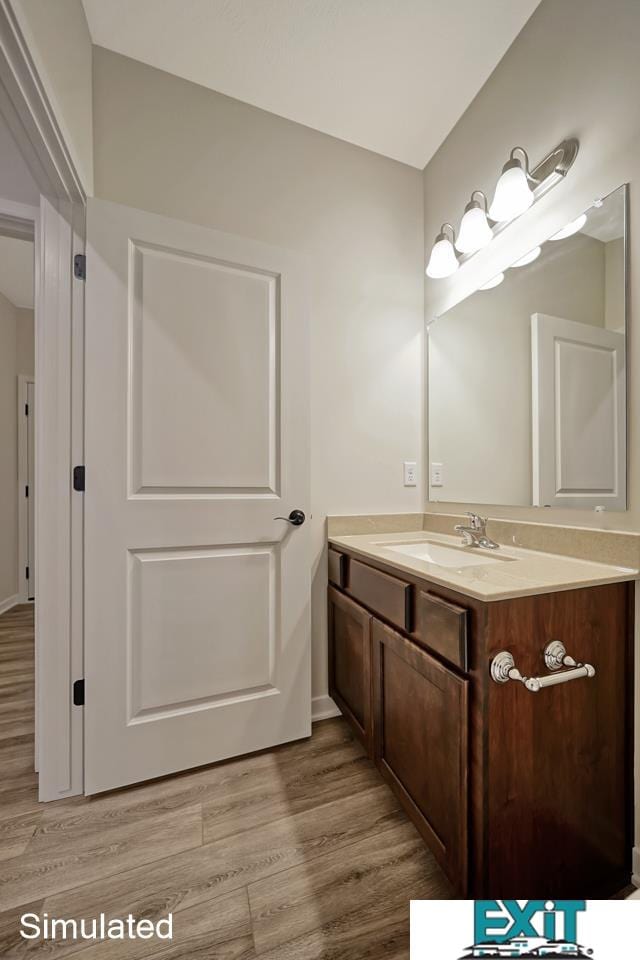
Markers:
point(410, 473)
point(437, 475)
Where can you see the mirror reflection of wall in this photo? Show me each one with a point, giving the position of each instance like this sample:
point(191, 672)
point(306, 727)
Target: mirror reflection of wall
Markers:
point(527, 377)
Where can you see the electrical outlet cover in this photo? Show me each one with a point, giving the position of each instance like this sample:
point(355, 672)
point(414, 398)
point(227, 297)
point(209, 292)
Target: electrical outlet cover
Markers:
point(410, 472)
point(437, 475)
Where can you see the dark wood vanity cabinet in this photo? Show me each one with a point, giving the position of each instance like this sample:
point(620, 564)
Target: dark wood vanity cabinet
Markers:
point(517, 793)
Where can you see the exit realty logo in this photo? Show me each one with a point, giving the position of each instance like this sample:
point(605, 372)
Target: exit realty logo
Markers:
point(529, 928)
point(524, 929)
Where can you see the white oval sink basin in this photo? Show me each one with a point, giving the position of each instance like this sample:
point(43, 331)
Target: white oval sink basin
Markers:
point(444, 556)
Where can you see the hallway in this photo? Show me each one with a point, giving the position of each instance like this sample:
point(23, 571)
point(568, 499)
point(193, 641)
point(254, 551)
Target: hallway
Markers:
point(249, 855)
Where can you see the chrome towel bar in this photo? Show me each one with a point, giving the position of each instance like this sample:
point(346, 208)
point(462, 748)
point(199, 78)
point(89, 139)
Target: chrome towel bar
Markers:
point(503, 668)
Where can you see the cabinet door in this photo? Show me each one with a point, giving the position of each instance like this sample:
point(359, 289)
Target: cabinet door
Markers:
point(420, 721)
point(350, 663)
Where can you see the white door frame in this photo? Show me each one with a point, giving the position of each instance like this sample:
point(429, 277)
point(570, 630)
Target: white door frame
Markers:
point(59, 377)
point(23, 480)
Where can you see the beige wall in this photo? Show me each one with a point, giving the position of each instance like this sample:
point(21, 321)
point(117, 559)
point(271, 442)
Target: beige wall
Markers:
point(614, 286)
point(8, 451)
point(170, 146)
point(574, 70)
point(60, 44)
point(480, 371)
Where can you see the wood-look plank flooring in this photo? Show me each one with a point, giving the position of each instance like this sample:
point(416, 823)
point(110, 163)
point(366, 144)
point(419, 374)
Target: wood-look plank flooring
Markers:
point(300, 852)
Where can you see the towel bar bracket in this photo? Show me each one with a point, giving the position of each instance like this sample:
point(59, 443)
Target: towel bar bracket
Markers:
point(503, 668)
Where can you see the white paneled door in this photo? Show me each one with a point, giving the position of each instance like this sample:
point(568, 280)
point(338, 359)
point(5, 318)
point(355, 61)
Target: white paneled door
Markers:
point(197, 632)
point(579, 415)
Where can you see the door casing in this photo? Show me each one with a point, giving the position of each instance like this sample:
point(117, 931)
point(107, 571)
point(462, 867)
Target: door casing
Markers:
point(58, 226)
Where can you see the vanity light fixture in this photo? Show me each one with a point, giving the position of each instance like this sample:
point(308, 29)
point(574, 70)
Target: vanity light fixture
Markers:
point(528, 257)
point(474, 232)
point(570, 228)
point(443, 261)
point(517, 189)
point(494, 282)
point(513, 194)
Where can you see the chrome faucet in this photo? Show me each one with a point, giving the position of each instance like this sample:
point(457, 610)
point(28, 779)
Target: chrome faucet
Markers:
point(474, 534)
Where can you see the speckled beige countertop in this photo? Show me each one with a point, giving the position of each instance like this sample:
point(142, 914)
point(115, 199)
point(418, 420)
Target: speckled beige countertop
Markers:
point(502, 574)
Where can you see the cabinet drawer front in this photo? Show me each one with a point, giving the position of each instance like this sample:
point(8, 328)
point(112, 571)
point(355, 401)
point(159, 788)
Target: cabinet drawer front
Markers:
point(337, 568)
point(421, 735)
point(442, 626)
point(350, 663)
point(387, 595)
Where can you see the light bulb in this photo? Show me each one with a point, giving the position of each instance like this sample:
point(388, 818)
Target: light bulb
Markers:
point(443, 261)
point(513, 194)
point(570, 228)
point(528, 257)
point(495, 282)
point(474, 232)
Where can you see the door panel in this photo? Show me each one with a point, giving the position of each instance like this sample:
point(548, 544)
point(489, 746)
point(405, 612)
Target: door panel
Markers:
point(205, 374)
point(579, 414)
point(196, 596)
point(421, 735)
point(197, 641)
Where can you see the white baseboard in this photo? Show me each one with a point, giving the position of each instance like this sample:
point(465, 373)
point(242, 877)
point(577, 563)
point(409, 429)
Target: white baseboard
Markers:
point(9, 602)
point(322, 708)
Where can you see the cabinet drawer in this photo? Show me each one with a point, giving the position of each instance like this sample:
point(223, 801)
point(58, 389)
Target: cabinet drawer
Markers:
point(387, 595)
point(337, 568)
point(442, 626)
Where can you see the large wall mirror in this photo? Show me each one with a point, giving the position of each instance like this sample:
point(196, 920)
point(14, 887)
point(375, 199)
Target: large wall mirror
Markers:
point(527, 376)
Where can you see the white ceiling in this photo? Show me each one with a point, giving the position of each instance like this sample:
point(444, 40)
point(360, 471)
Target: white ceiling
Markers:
point(393, 76)
point(16, 271)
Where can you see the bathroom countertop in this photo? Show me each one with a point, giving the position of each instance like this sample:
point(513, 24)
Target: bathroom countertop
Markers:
point(515, 572)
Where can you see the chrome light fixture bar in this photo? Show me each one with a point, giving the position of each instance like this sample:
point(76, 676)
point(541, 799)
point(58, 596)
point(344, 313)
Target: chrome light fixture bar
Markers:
point(517, 189)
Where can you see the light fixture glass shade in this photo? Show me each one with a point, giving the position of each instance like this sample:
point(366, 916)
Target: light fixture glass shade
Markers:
point(474, 232)
point(528, 257)
point(513, 194)
point(443, 261)
point(570, 228)
point(494, 282)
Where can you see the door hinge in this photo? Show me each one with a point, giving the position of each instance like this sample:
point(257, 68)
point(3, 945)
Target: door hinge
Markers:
point(78, 479)
point(26, 572)
point(26, 409)
point(78, 693)
point(80, 266)
point(26, 490)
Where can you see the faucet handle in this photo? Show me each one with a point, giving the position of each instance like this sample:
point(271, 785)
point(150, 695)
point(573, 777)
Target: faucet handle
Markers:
point(477, 522)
